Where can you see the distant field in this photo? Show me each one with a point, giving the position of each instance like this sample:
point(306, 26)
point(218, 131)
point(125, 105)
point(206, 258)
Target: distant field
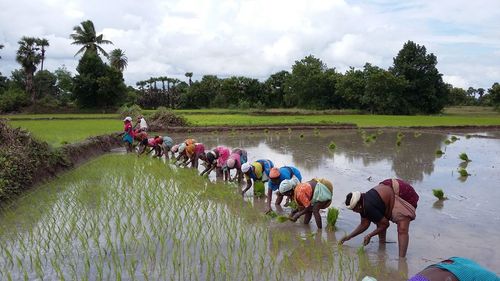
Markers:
point(80, 126)
point(58, 132)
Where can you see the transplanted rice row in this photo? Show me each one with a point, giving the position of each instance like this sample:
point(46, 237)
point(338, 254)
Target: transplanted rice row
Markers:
point(143, 221)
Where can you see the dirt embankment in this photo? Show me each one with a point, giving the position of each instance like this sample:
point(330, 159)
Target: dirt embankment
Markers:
point(26, 161)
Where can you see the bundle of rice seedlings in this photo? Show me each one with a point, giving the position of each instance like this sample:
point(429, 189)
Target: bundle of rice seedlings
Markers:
point(468, 136)
point(454, 139)
point(332, 146)
point(282, 219)
point(463, 172)
point(258, 189)
point(439, 152)
point(331, 218)
point(439, 194)
point(447, 142)
point(272, 214)
point(301, 136)
point(463, 156)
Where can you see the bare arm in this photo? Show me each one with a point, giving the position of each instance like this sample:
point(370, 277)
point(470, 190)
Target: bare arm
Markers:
point(249, 184)
point(382, 226)
point(298, 214)
point(363, 225)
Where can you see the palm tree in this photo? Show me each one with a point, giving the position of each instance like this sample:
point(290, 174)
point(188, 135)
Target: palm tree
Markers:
point(85, 35)
point(29, 57)
point(189, 75)
point(118, 60)
point(42, 43)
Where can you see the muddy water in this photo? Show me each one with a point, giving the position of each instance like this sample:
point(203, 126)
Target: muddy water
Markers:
point(467, 224)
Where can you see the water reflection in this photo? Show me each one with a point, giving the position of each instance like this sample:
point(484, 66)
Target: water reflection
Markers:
point(412, 160)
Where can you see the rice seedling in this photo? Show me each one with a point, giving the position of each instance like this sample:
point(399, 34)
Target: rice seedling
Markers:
point(398, 142)
point(468, 136)
point(463, 172)
point(266, 131)
point(282, 219)
point(272, 214)
point(144, 221)
point(464, 157)
point(289, 130)
point(447, 142)
point(332, 146)
point(417, 134)
point(301, 136)
point(331, 217)
point(258, 189)
point(454, 138)
point(439, 152)
point(439, 194)
point(400, 135)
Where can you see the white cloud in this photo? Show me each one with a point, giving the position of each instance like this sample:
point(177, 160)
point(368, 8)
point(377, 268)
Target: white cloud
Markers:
point(257, 37)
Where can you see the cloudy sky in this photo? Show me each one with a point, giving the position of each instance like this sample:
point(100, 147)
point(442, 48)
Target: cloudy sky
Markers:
point(256, 38)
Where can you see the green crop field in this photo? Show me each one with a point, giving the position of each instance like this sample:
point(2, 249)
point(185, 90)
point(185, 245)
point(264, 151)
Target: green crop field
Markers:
point(58, 129)
point(145, 220)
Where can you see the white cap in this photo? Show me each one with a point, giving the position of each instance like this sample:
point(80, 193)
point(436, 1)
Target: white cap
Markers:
point(287, 185)
point(182, 146)
point(245, 167)
point(128, 118)
point(356, 195)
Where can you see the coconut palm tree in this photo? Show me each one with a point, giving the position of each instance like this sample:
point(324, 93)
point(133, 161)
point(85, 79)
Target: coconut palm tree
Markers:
point(118, 60)
point(85, 35)
point(189, 75)
point(29, 57)
point(42, 43)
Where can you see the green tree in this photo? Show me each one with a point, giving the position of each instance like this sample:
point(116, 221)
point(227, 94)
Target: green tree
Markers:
point(201, 94)
point(383, 92)
point(42, 43)
point(118, 60)
point(29, 57)
point(97, 85)
point(459, 96)
point(426, 91)
point(64, 83)
point(351, 88)
point(274, 88)
point(86, 35)
point(311, 84)
point(45, 84)
point(189, 75)
point(494, 95)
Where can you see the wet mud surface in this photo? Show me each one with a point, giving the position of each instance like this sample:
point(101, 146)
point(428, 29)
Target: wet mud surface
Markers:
point(467, 224)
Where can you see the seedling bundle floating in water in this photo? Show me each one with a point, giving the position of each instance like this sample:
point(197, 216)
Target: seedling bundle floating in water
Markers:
point(439, 152)
point(439, 194)
point(332, 146)
point(463, 172)
point(463, 156)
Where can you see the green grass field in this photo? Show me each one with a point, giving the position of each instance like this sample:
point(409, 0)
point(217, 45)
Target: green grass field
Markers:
point(58, 131)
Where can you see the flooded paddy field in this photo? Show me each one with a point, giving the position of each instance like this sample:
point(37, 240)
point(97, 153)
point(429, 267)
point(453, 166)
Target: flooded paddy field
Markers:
point(122, 217)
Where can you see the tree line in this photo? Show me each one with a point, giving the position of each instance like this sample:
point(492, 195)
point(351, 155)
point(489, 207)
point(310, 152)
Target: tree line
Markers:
point(412, 85)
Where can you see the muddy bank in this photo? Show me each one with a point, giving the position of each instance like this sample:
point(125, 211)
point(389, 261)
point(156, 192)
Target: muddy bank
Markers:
point(26, 161)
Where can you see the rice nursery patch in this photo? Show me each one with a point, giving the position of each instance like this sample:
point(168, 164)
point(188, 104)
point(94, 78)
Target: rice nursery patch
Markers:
point(123, 217)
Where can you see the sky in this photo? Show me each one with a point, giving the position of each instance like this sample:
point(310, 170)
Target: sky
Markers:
point(256, 38)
